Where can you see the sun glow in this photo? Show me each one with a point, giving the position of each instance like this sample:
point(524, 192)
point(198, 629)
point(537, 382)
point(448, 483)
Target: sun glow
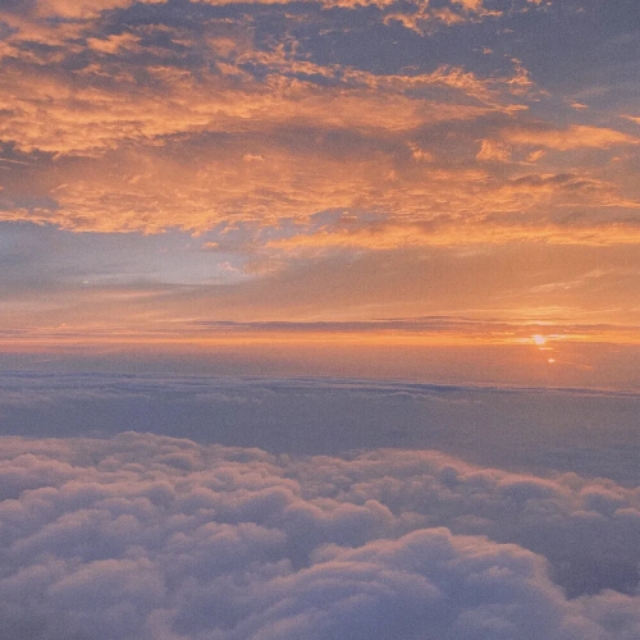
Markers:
point(539, 340)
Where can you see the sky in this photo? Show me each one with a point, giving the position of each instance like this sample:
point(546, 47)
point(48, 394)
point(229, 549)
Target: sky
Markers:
point(270, 182)
point(320, 319)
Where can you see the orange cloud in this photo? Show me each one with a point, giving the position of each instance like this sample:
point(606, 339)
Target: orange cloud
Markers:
point(574, 137)
point(74, 115)
point(343, 4)
point(491, 150)
point(193, 150)
point(395, 236)
point(459, 12)
point(257, 178)
point(113, 44)
point(84, 8)
point(475, 8)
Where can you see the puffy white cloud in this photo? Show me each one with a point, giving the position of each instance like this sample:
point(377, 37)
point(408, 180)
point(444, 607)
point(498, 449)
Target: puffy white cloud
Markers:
point(145, 536)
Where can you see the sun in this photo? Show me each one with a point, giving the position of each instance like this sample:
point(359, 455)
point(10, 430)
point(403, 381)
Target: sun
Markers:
point(539, 340)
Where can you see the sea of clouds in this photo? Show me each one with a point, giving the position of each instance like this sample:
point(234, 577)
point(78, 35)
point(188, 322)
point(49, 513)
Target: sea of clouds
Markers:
point(592, 433)
point(144, 536)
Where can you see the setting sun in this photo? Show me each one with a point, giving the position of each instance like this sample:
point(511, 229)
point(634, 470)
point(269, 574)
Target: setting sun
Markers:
point(539, 340)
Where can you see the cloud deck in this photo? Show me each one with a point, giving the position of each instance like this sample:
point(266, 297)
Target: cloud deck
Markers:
point(145, 536)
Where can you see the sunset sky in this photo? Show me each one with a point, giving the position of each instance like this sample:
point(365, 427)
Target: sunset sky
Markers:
point(272, 182)
point(320, 320)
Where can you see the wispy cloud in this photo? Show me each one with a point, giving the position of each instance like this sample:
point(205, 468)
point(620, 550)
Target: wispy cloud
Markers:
point(575, 137)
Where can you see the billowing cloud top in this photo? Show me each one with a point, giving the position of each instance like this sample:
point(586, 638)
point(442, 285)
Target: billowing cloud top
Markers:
point(151, 537)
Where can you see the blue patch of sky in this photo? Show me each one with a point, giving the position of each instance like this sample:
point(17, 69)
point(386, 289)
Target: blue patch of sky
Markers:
point(44, 252)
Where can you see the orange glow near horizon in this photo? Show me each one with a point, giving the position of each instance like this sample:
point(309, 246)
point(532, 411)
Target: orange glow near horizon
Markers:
point(595, 362)
point(479, 335)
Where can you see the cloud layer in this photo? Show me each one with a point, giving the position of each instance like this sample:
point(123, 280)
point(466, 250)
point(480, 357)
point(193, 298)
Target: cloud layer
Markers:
point(594, 434)
point(151, 537)
point(124, 116)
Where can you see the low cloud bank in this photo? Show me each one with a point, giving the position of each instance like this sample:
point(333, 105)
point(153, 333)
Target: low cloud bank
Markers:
point(592, 433)
point(145, 536)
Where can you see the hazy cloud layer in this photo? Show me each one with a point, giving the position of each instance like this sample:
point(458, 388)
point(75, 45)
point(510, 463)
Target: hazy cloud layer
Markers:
point(593, 433)
point(152, 537)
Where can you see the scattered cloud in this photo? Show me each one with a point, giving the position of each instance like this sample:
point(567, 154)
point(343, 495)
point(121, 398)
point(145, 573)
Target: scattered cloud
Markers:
point(154, 124)
point(134, 140)
point(575, 137)
point(490, 150)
